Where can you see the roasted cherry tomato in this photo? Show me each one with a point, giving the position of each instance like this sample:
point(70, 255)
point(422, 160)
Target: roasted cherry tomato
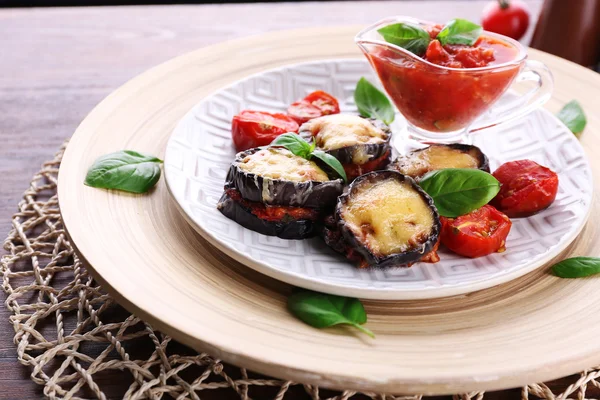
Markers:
point(509, 18)
point(477, 234)
point(527, 188)
point(312, 106)
point(259, 128)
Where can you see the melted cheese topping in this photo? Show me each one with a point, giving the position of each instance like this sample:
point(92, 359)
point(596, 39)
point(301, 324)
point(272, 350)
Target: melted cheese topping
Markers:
point(342, 130)
point(436, 157)
point(388, 217)
point(278, 163)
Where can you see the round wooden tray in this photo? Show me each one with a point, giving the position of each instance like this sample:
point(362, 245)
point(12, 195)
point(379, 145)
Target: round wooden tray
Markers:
point(139, 247)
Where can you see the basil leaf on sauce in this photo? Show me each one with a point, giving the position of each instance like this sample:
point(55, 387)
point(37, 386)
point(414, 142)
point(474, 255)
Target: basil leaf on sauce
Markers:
point(457, 191)
point(322, 310)
point(577, 267)
point(459, 31)
point(332, 162)
point(293, 143)
point(408, 36)
point(301, 148)
point(573, 117)
point(125, 170)
point(372, 103)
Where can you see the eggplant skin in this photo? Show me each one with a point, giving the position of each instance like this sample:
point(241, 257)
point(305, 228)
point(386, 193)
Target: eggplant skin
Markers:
point(402, 162)
point(294, 229)
point(345, 155)
point(394, 260)
point(252, 187)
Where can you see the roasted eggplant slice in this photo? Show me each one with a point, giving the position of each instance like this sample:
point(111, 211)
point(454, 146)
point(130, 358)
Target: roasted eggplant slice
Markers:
point(275, 176)
point(385, 219)
point(284, 222)
point(439, 156)
point(361, 145)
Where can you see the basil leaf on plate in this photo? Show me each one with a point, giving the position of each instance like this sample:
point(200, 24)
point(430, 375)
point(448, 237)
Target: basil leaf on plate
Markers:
point(293, 143)
point(457, 191)
point(301, 148)
point(125, 170)
point(332, 162)
point(573, 117)
point(372, 103)
point(322, 310)
point(408, 36)
point(459, 31)
point(577, 267)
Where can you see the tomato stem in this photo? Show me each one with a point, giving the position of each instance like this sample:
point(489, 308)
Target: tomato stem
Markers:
point(504, 4)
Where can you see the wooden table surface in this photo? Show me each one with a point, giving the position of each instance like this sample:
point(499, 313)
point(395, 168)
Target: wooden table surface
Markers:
point(56, 64)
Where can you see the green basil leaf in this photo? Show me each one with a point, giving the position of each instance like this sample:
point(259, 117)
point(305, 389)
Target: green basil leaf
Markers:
point(332, 162)
point(577, 267)
point(293, 143)
point(573, 117)
point(372, 103)
point(459, 31)
point(302, 148)
point(322, 310)
point(408, 36)
point(125, 170)
point(458, 191)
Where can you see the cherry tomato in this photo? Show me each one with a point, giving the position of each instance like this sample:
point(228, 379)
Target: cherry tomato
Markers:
point(508, 18)
point(477, 234)
point(314, 105)
point(527, 188)
point(258, 128)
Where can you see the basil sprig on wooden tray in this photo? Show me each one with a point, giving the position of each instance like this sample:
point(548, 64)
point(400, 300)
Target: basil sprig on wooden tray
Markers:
point(372, 103)
point(457, 191)
point(302, 148)
point(125, 170)
point(573, 117)
point(577, 267)
point(415, 39)
point(322, 310)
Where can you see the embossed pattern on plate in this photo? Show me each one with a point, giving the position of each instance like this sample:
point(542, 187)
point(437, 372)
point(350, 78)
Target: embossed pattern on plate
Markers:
point(200, 151)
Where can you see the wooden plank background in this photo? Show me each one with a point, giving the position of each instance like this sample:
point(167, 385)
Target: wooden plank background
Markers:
point(57, 63)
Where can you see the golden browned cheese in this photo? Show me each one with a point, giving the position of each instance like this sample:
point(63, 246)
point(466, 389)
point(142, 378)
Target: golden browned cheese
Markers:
point(278, 163)
point(436, 157)
point(388, 217)
point(342, 130)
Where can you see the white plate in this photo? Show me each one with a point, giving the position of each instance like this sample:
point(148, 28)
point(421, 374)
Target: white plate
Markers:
point(200, 151)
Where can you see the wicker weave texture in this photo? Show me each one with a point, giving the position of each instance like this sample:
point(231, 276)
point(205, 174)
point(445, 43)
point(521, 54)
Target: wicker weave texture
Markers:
point(74, 337)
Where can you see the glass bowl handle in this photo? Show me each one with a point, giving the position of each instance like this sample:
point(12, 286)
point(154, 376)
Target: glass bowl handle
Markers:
point(533, 71)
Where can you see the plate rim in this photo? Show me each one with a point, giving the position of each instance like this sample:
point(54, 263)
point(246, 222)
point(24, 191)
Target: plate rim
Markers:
point(384, 293)
point(553, 367)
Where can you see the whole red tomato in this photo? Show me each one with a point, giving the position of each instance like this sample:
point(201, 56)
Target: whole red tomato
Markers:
point(259, 128)
point(527, 188)
point(314, 105)
point(477, 234)
point(506, 17)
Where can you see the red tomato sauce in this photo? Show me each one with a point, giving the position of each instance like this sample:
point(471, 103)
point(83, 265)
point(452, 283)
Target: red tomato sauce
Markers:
point(273, 213)
point(442, 100)
point(486, 51)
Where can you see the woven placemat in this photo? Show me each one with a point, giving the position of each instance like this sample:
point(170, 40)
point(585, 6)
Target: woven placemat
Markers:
point(74, 337)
